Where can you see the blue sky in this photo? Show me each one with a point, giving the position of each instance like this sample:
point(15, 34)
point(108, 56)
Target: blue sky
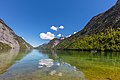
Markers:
point(29, 18)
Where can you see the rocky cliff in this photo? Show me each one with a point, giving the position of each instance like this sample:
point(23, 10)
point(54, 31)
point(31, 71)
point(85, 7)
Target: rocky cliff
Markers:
point(8, 37)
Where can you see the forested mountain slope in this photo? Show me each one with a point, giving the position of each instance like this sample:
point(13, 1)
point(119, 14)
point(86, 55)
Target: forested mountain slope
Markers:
point(103, 27)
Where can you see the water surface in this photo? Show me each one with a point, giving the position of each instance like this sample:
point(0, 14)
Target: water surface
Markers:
point(28, 69)
point(66, 65)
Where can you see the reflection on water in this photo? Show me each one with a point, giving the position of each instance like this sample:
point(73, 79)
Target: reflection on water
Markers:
point(29, 68)
point(46, 63)
point(62, 65)
point(6, 58)
point(58, 67)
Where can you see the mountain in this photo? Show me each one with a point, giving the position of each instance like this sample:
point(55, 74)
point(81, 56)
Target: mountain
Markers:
point(8, 39)
point(106, 23)
point(108, 19)
point(103, 21)
point(51, 44)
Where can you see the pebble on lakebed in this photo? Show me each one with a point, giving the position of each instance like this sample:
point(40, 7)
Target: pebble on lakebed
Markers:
point(60, 74)
point(53, 72)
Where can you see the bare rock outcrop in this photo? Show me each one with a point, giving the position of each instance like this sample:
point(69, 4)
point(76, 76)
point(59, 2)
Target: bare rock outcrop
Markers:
point(8, 36)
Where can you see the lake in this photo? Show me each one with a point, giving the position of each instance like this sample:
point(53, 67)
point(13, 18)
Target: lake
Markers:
point(59, 65)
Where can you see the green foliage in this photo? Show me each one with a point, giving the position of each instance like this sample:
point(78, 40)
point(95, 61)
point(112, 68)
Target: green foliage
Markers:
point(23, 44)
point(104, 41)
point(4, 46)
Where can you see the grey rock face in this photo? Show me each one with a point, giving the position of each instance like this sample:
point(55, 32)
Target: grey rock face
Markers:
point(8, 36)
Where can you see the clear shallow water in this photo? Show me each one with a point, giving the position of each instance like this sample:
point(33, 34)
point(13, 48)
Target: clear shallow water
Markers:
point(28, 69)
point(95, 66)
point(66, 65)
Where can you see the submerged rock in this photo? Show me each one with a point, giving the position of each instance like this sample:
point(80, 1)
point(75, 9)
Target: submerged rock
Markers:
point(60, 74)
point(53, 72)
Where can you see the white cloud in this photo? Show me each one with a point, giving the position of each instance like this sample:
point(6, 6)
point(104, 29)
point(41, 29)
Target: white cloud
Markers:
point(23, 38)
point(47, 35)
point(68, 36)
point(54, 28)
point(74, 32)
point(59, 35)
point(61, 27)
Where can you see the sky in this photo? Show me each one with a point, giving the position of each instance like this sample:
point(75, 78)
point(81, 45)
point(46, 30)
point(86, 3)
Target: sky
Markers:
point(39, 21)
